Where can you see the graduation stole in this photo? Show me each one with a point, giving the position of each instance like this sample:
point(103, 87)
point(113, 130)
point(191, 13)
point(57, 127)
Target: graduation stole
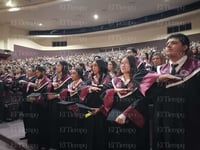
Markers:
point(120, 83)
point(61, 82)
point(29, 81)
point(73, 88)
point(106, 79)
point(141, 81)
point(84, 91)
point(117, 82)
point(189, 69)
point(41, 83)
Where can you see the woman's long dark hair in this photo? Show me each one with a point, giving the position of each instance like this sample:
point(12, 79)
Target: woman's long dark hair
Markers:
point(79, 70)
point(115, 67)
point(133, 66)
point(82, 65)
point(103, 70)
point(65, 70)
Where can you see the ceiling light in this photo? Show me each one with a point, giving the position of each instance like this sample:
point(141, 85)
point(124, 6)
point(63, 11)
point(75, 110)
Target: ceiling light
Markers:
point(66, 0)
point(47, 36)
point(9, 3)
point(96, 16)
point(13, 9)
point(40, 24)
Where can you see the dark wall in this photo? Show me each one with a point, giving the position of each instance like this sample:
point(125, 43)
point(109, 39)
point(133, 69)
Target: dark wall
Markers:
point(159, 44)
point(195, 37)
point(67, 52)
point(25, 52)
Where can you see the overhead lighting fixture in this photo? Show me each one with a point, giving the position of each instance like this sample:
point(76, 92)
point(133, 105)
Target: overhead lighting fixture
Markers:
point(47, 36)
point(9, 3)
point(40, 24)
point(66, 0)
point(96, 16)
point(13, 9)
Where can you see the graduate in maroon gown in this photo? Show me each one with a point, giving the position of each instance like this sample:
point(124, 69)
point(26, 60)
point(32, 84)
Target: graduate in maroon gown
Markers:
point(177, 101)
point(27, 90)
point(72, 129)
point(37, 131)
point(58, 93)
point(7, 80)
point(75, 88)
point(19, 75)
point(95, 124)
point(126, 108)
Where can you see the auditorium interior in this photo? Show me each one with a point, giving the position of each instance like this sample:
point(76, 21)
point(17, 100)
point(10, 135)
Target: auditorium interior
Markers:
point(58, 41)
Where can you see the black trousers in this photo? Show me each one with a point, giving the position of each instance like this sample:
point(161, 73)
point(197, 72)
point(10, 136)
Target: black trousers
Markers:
point(26, 116)
point(1, 109)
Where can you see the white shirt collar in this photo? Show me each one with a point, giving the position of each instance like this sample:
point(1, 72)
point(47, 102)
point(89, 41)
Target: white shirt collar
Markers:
point(180, 63)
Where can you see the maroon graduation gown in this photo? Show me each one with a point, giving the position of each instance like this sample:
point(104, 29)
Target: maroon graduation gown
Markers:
point(177, 109)
point(37, 132)
point(94, 125)
point(134, 133)
point(55, 110)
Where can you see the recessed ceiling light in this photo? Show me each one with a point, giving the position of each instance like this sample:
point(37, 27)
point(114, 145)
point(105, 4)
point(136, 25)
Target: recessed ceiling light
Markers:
point(46, 36)
point(40, 24)
point(66, 0)
point(14, 9)
point(9, 3)
point(96, 16)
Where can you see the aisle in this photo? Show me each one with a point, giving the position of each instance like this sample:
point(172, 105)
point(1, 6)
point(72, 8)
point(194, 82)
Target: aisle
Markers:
point(11, 132)
point(4, 146)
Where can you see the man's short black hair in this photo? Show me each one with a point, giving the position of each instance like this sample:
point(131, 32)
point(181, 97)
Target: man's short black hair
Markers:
point(40, 68)
point(133, 49)
point(182, 38)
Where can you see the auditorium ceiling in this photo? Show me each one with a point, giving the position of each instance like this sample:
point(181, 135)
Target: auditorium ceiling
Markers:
point(4, 4)
point(69, 14)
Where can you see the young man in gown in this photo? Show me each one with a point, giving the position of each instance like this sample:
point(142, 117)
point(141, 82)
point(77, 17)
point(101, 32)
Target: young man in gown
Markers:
point(176, 102)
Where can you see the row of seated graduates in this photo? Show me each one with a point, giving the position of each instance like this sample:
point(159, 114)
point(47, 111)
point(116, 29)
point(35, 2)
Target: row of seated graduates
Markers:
point(46, 122)
point(70, 113)
point(66, 141)
point(36, 115)
point(12, 94)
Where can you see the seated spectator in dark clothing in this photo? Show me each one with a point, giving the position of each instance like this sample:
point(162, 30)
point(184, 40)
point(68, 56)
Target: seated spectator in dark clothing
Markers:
point(112, 68)
point(196, 52)
point(156, 60)
point(145, 61)
point(133, 51)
